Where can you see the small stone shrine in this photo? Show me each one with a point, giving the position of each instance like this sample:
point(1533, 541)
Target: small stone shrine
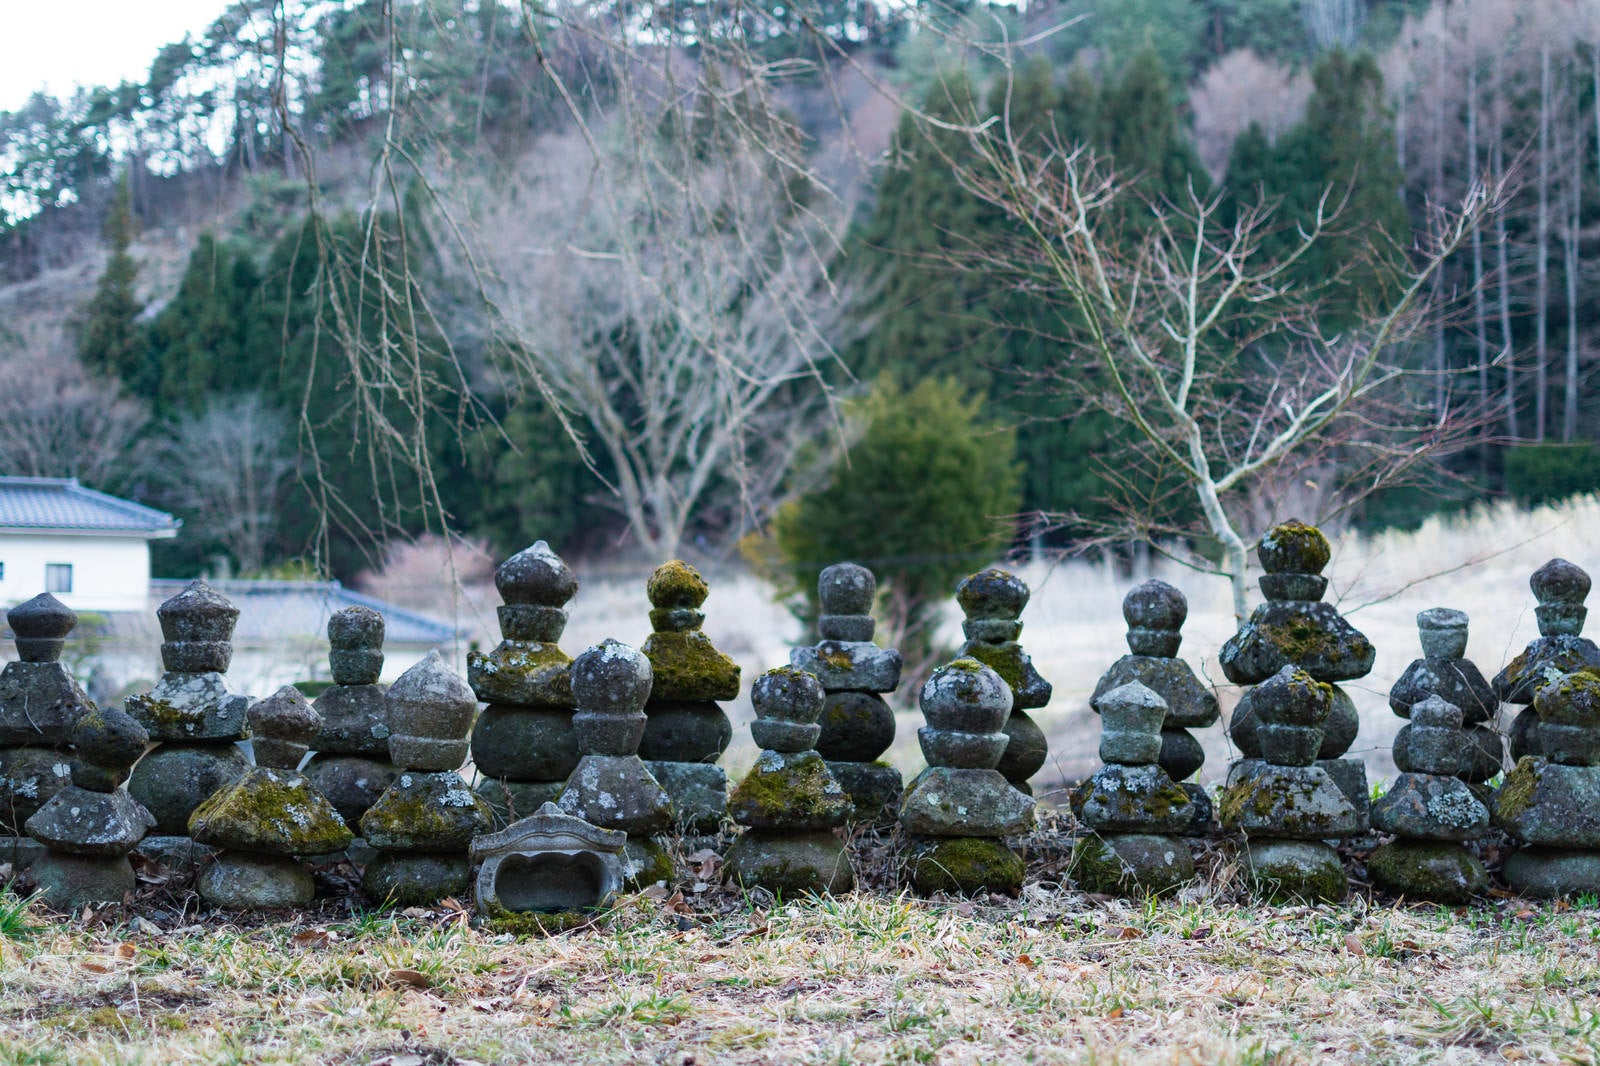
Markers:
point(959, 808)
point(40, 702)
point(992, 601)
point(351, 766)
point(1560, 588)
point(547, 863)
point(272, 813)
point(192, 717)
point(857, 723)
point(1295, 628)
point(90, 826)
point(1551, 802)
point(524, 746)
point(1430, 811)
point(789, 801)
point(1155, 612)
point(611, 787)
point(1132, 804)
point(424, 823)
point(1446, 672)
point(685, 731)
point(1287, 804)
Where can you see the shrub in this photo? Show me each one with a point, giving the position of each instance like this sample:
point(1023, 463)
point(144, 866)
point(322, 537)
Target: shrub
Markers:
point(1544, 473)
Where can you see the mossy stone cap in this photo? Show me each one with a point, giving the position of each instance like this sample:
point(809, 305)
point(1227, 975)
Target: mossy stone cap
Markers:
point(1155, 605)
point(108, 736)
point(285, 715)
point(1293, 547)
point(1559, 581)
point(432, 699)
point(1571, 699)
point(788, 694)
point(356, 627)
point(611, 677)
point(536, 575)
point(676, 584)
point(966, 696)
point(846, 588)
point(198, 613)
point(1292, 697)
point(42, 618)
point(993, 593)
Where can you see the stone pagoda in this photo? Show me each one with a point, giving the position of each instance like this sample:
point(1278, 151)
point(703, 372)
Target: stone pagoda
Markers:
point(959, 808)
point(351, 766)
point(992, 601)
point(90, 826)
point(1133, 806)
point(685, 731)
point(269, 815)
point(611, 787)
point(424, 824)
point(1286, 803)
point(1446, 672)
point(789, 801)
point(1295, 628)
point(1431, 811)
point(40, 702)
point(524, 745)
point(857, 723)
point(1560, 588)
point(1155, 612)
point(1551, 801)
point(194, 719)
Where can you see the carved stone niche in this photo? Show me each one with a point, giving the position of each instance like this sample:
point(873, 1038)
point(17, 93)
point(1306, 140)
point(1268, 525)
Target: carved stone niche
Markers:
point(548, 862)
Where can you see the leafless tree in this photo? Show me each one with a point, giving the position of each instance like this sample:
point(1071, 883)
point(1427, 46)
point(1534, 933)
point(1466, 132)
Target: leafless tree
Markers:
point(57, 421)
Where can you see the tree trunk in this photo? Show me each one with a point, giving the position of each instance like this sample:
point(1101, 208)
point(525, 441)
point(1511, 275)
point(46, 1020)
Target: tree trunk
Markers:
point(1480, 326)
point(1541, 309)
point(1569, 263)
point(1502, 262)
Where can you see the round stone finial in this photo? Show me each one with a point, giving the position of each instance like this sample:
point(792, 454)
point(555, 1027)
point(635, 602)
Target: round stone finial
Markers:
point(966, 696)
point(1559, 581)
point(1443, 633)
point(846, 588)
point(1292, 708)
point(676, 584)
point(1155, 605)
point(198, 614)
point(1293, 547)
point(356, 627)
point(106, 743)
point(40, 627)
point(787, 694)
point(536, 575)
point(993, 593)
point(611, 678)
point(282, 727)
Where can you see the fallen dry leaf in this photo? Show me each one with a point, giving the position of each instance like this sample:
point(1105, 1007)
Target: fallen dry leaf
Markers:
point(313, 938)
point(409, 979)
point(1352, 944)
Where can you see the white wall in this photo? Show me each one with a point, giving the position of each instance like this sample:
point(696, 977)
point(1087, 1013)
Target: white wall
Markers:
point(108, 573)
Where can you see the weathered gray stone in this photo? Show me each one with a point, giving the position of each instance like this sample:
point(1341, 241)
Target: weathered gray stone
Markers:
point(1426, 870)
point(617, 792)
point(1131, 864)
point(39, 703)
point(1310, 635)
point(952, 801)
point(430, 710)
point(175, 779)
point(1550, 873)
point(1430, 807)
point(533, 744)
point(1547, 803)
point(846, 589)
point(697, 792)
point(510, 800)
point(687, 732)
point(789, 790)
point(67, 882)
point(40, 627)
point(176, 853)
point(1181, 755)
point(430, 812)
point(1290, 802)
point(29, 777)
point(184, 708)
point(80, 822)
point(410, 879)
point(1130, 725)
point(1135, 799)
point(1296, 870)
point(251, 881)
point(547, 862)
point(1190, 705)
point(854, 723)
point(856, 666)
point(355, 721)
point(874, 789)
point(352, 783)
point(790, 863)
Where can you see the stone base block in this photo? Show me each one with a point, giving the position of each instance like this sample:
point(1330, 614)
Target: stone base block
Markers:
point(790, 864)
point(957, 802)
point(1549, 873)
point(352, 783)
point(415, 879)
point(1296, 870)
point(67, 882)
point(177, 853)
point(1132, 864)
point(19, 852)
point(247, 881)
point(699, 793)
point(874, 789)
point(513, 800)
point(1428, 870)
point(963, 866)
point(644, 863)
point(1351, 777)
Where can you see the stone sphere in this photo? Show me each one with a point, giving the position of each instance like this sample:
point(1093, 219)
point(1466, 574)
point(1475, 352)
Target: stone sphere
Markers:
point(992, 593)
point(611, 678)
point(1293, 547)
point(787, 694)
point(676, 584)
point(966, 696)
point(1559, 581)
point(356, 627)
point(846, 588)
point(109, 737)
point(536, 575)
point(1155, 605)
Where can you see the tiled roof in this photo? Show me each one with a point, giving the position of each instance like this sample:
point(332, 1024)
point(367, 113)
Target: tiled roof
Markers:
point(272, 612)
point(63, 505)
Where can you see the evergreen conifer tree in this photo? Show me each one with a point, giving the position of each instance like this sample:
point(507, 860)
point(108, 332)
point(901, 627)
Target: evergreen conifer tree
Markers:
point(110, 338)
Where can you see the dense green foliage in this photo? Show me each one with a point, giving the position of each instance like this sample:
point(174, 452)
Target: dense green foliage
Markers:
point(1545, 473)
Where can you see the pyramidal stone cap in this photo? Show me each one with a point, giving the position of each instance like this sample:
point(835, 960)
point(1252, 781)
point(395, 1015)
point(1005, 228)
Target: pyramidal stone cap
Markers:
point(40, 627)
point(198, 613)
point(430, 712)
point(536, 575)
point(282, 727)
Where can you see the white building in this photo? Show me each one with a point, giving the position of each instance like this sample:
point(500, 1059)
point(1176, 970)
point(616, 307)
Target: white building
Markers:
point(89, 550)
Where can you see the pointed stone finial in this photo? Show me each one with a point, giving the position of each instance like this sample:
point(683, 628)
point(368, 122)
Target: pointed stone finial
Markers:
point(430, 712)
point(1292, 708)
point(106, 743)
point(40, 627)
point(536, 585)
point(788, 703)
point(1293, 555)
point(282, 727)
point(355, 636)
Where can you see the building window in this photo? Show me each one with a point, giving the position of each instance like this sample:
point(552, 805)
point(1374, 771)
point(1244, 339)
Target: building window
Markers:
point(58, 577)
point(2, 571)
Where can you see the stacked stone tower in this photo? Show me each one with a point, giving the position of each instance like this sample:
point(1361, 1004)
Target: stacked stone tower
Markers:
point(1431, 811)
point(1286, 803)
point(1551, 801)
point(40, 702)
point(857, 723)
point(351, 766)
point(685, 731)
point(611, 787)
point(1155, 613)
point(193, 718)
point(1446, 672)
point(424, 823)
point(993, 600)
point(1560, 588)
point(959, 808)
point(524, 745)
point(789, 801)
point(268, 816)
point(1133, 806)
point(1295, 628)
point(91, 825)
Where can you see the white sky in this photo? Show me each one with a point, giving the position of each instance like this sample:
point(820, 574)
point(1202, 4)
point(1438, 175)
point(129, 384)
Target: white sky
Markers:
point(57, 44)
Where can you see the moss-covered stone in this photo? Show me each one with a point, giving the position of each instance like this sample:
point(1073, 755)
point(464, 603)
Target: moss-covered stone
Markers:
point(687, 666)
point(522, 673)
point(1426, 870)
point(1310, 635)
point(1543, 802)
point(1134, 799)
point(416, 879)
point(1545, 659)
point(790, 864)
point(1296, 871)
point(645, 862)
point(676, 584)
point(529, 925)
point(1550, 873)
point(1293, 547)
point(792, 790)
point(426, 813)
point(956, 802)
point(277, 812)
point(1190, 704)
point(964, 866)
point(1294, 802)
point(248, 881)
point(1132, 864)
